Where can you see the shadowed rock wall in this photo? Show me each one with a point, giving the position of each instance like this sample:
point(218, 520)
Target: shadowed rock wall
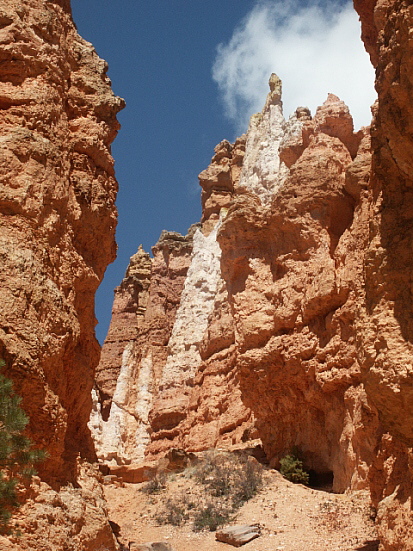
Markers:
point(387, 337)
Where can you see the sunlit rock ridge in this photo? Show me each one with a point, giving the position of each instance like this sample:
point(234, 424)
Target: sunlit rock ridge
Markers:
point(57, 227)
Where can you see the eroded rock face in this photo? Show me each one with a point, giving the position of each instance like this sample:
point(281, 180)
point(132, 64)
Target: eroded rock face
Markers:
point(387, 336)
point(129, 307)
point(136, 350)
point(294, 189)
point(177, 386)
point(198, 403)
point(294, 276)
point(195, 401)
point(388, 344)
point(301, 277)
point(50, 519)
point(58, 217)
point(219, 180)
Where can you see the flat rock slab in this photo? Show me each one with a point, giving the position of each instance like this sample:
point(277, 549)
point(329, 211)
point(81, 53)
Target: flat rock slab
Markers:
point(238, 535)
point(134, 473)
point(151, 546)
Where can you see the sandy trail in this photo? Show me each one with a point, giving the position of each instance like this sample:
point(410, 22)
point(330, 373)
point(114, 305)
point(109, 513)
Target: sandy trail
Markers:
point(292, 518)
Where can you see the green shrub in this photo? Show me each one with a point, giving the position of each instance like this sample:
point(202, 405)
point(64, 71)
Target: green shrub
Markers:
point(230, 475)
point(212, 517)
point(292, 469)
point(17, 458)
point(175, 511)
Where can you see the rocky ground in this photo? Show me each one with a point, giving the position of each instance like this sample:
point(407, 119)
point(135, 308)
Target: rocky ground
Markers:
point(292, 517)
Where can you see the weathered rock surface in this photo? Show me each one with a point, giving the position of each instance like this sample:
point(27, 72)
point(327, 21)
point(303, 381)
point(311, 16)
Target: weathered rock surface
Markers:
point(219, 180)
point(177, 386)
point(128, 311)
point(50, 519)
point(387, 337)
point(263, 172)
point(58, 218)
point(131, 365)
point(293, 272)
point(238, 535)
point(135, 474)
point(178, 417)
point(193, 399)
point(6, 545)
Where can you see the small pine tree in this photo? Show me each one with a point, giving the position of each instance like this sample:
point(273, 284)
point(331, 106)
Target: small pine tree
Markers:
point(17, 457)
point(293, 470)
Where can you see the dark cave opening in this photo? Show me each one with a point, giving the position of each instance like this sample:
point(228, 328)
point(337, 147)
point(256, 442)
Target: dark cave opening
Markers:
point(321, 480)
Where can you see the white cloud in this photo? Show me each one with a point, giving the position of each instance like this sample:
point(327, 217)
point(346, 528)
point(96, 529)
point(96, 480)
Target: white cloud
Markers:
point(315, 50)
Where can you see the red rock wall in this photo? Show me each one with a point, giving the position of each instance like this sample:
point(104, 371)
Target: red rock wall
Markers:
point(386, 344)
point(295, 281)
point(141, 394)
point(57, 218)
point(309, 331)
point(388, 259)
point(136, 348)
point(171, 259)
point(129, 307)
point(212, 413)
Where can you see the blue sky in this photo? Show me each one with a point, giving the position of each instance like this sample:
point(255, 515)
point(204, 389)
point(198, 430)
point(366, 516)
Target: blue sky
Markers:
point(184, 93)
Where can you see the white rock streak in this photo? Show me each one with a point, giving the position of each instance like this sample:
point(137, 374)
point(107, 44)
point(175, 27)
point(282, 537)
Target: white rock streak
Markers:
point(112, 438)
point(262, 171)
point(197, 301)
point(124, 436)
point(144, 397)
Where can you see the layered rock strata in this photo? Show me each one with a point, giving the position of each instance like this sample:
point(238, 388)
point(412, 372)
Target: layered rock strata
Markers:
point(58, 218)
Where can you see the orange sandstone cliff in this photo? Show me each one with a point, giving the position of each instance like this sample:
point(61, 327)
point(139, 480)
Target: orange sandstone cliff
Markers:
point(173, 384)
point(294, 277)
point(386, 323)
point(58, 218)
point(263, 341)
